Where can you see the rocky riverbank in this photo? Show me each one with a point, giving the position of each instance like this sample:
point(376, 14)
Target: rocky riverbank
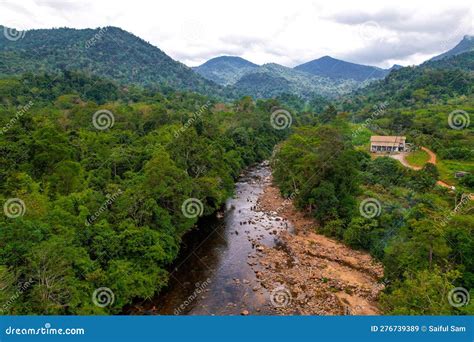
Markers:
point(310, 274)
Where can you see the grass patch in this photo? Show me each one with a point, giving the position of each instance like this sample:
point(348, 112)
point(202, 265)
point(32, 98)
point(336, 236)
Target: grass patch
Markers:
point(418, 158)
point(447, 168)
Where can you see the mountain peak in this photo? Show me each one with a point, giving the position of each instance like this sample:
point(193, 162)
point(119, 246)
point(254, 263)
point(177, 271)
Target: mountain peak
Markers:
point(326, 58)
point(333, 68)
point(225, 70)
point(233, 60)
point(465, 45)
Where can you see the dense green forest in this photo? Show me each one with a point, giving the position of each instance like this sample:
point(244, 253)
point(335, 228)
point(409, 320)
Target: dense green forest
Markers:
point(423, 233)
point(99, 201)
point(108, 52)
point(96, 174)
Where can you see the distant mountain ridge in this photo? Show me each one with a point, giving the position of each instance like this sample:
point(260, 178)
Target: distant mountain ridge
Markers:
point(272, 79)
point(338, 69)
point(117, 55)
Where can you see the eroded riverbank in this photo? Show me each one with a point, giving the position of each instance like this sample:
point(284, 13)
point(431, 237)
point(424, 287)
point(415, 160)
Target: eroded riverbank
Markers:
point(316, 275)
point(261, 256)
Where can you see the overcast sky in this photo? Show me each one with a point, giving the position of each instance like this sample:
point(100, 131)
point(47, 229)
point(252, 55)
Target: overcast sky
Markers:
point(288, 32)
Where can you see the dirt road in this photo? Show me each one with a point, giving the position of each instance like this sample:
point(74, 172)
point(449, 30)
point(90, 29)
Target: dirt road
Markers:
point(401, 157)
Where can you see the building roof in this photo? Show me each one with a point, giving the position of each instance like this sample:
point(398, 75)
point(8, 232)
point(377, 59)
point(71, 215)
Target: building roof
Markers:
point(392, 139)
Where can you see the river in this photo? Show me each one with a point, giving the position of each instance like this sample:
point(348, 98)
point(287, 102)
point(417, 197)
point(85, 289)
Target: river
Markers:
point(215, 271)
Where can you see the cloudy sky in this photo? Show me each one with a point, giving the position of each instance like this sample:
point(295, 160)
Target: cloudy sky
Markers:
point(287, 32)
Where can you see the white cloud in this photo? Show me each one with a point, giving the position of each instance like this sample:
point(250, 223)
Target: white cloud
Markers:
point(280, 31)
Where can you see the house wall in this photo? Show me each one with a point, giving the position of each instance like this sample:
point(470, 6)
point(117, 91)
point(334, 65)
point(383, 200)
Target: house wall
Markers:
point(378, 147)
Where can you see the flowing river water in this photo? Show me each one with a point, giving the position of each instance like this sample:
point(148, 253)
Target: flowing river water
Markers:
point(215, 272)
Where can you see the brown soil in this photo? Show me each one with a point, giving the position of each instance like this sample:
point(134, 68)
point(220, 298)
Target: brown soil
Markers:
point(432, 160)
point(310, 274)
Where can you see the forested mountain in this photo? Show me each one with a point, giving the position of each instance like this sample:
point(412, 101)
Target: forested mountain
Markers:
point(463, 61)
point(325, 76)
point(269, 80)
point(225, 70)
point(272, 79)
point(108, 52)
point(336, 69)
point(431, 82)
point(465, 45)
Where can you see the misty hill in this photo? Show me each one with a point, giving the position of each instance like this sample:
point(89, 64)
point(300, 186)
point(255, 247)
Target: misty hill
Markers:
point(225, 70)
point(338, 69)
point(272, 79)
